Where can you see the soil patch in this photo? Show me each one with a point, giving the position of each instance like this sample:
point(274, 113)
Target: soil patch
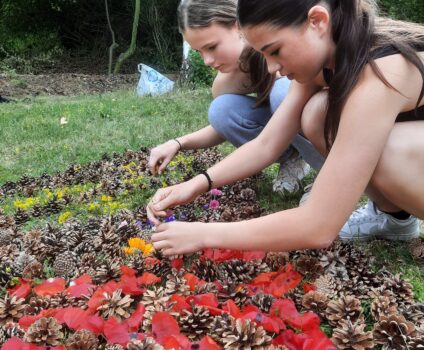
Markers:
point(64, 84)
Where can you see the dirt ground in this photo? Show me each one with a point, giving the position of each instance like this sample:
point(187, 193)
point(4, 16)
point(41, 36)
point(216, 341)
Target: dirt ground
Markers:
point(63, 84)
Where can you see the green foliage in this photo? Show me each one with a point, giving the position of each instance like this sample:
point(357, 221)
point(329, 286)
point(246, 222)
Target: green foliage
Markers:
point(408, 10)
point(200, 74)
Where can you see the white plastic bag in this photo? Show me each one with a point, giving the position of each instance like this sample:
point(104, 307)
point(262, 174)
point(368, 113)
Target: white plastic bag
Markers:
point(152, 82)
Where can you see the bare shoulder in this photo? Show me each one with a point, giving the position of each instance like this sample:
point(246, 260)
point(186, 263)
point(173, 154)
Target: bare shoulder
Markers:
point(402, 75)
point(235, 82)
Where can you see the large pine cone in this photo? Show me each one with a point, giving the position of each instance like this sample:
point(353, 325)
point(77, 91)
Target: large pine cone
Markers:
point(115, 305)
point(384, 305)
point(315, 301)
point(45, 331)
point(11, 308)
point(346, 308)
point(393, 332)
point(82, 340)
point(352, 336)
point(65, 264)
point(309, 266)
point(146, 344)
point(195, 323)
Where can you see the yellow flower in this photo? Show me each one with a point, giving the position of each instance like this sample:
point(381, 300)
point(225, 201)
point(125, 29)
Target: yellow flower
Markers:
point(64, 217)
point(129, 250)
point(148, 250)
point(93, 206)
point(141, 245)
point(106, 198)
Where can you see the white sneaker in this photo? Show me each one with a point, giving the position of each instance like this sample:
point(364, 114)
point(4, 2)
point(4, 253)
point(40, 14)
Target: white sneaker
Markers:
point(368, 223)
point(291, 174)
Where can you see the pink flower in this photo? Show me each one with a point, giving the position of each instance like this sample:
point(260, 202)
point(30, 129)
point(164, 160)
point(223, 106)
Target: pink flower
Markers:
point(216, 192)
point(213, 204)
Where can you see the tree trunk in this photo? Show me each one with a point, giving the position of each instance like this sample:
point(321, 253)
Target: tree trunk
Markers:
point(125, 55)
point(114, 43)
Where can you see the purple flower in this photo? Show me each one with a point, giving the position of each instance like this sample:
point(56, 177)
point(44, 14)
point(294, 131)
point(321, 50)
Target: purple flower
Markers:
point(170, 218)
point(213, 204)
point(216, 192)
point(206, 206)
point(122, 224)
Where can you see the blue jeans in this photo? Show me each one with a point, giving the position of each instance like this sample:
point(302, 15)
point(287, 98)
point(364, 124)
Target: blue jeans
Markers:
point(235, 119)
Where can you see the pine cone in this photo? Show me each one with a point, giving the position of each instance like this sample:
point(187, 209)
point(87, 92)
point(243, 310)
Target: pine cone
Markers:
point(176, 284)
point(21, 216)
point(11, 308)
point(416, 247)
point(309, 266)
point(241, 271)
point(415, 313)
point(276, 260)
point(109, 269)
point(237, 293)
point(36, 305)
point(316, 302)
point(82, 340)
point(383, 305)
point(263, 301)
point(113, 347)
point(33, 270)
point(65, 264)
point(239, 334)
point(206, 270)
point(155, 300)
point(45, 331)
point(204, 288)
point(329, 285)
point(345, 308)
point(195, 323)
point(22, 261)
point(401, 289)
point(12, 329)
point(352, 336)
point(115, 305)
point(146, 344)
point(6, 274)
point(393, 332)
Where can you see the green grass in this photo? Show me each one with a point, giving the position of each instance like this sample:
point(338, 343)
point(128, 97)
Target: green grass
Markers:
point(32, 142)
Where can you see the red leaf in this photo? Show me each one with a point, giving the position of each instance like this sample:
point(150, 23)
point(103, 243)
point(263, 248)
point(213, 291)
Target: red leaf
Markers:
point(286, 310)
point(73, 317)
point(255, 255)
point(177, 263)
point(127, 271)
point(136, 318)
point(207, 343)
point(177, 341)
point(191, 280)
point(18, 344)
point(264, 278)
point(115, 332)
point(180, 303)
point(129, 285)
point(50, 287)
point(308, 288)
point(317, 340)
point(148, 279)
point(21, 290)
point(83, 279)
point(164, 325)
point(93, 323)
point(81, 290)
point(207, 300)
point(231, 307)
point(284, 282)
point(26, 321)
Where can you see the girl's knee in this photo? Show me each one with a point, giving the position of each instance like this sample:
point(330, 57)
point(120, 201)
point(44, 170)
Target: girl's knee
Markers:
point(313, 118)
point(218, 110)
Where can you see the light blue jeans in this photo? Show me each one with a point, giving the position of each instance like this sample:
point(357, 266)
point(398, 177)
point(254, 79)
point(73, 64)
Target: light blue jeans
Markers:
point(235, 118)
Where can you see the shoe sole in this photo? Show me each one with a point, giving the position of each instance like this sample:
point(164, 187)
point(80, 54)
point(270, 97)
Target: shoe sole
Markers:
point(386, 236)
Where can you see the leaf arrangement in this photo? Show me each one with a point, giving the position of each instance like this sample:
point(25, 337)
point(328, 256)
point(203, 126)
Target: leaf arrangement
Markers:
point(78, 272)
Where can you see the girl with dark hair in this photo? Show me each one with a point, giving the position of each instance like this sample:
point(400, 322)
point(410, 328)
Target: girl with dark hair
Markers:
point(211, 29)
point(357, 93)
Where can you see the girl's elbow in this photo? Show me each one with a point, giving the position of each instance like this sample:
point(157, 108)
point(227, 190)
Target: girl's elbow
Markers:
point(323, 240)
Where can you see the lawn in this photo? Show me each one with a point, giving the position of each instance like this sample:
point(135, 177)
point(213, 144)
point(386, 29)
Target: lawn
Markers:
point(46, 135)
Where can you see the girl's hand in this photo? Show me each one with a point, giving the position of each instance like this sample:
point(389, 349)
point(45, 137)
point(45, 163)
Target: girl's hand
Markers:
point(175, 238)
point(169, 197)
point(161, 155)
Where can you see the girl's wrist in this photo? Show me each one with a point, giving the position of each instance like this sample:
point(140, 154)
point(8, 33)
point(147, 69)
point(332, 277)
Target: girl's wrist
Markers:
point(200, 184)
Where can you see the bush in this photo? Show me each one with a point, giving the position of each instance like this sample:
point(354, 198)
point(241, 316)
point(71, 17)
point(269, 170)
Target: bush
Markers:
point(408, 10)
point(199, 73)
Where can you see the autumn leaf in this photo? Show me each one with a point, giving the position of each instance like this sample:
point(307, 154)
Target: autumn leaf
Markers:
point(231, 307)
point(21, 290)
point(148, 279)
point(177, 341)
point(180, 303)
point(115, 332)
point(192, 281)
point(136, 318)
point(207, 343)
point(50, 287)
point(286, 310)
point(93, 323)
point(164, 325)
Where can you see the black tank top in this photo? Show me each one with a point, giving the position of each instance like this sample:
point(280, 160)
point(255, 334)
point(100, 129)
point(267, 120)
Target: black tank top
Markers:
point(415, 114)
